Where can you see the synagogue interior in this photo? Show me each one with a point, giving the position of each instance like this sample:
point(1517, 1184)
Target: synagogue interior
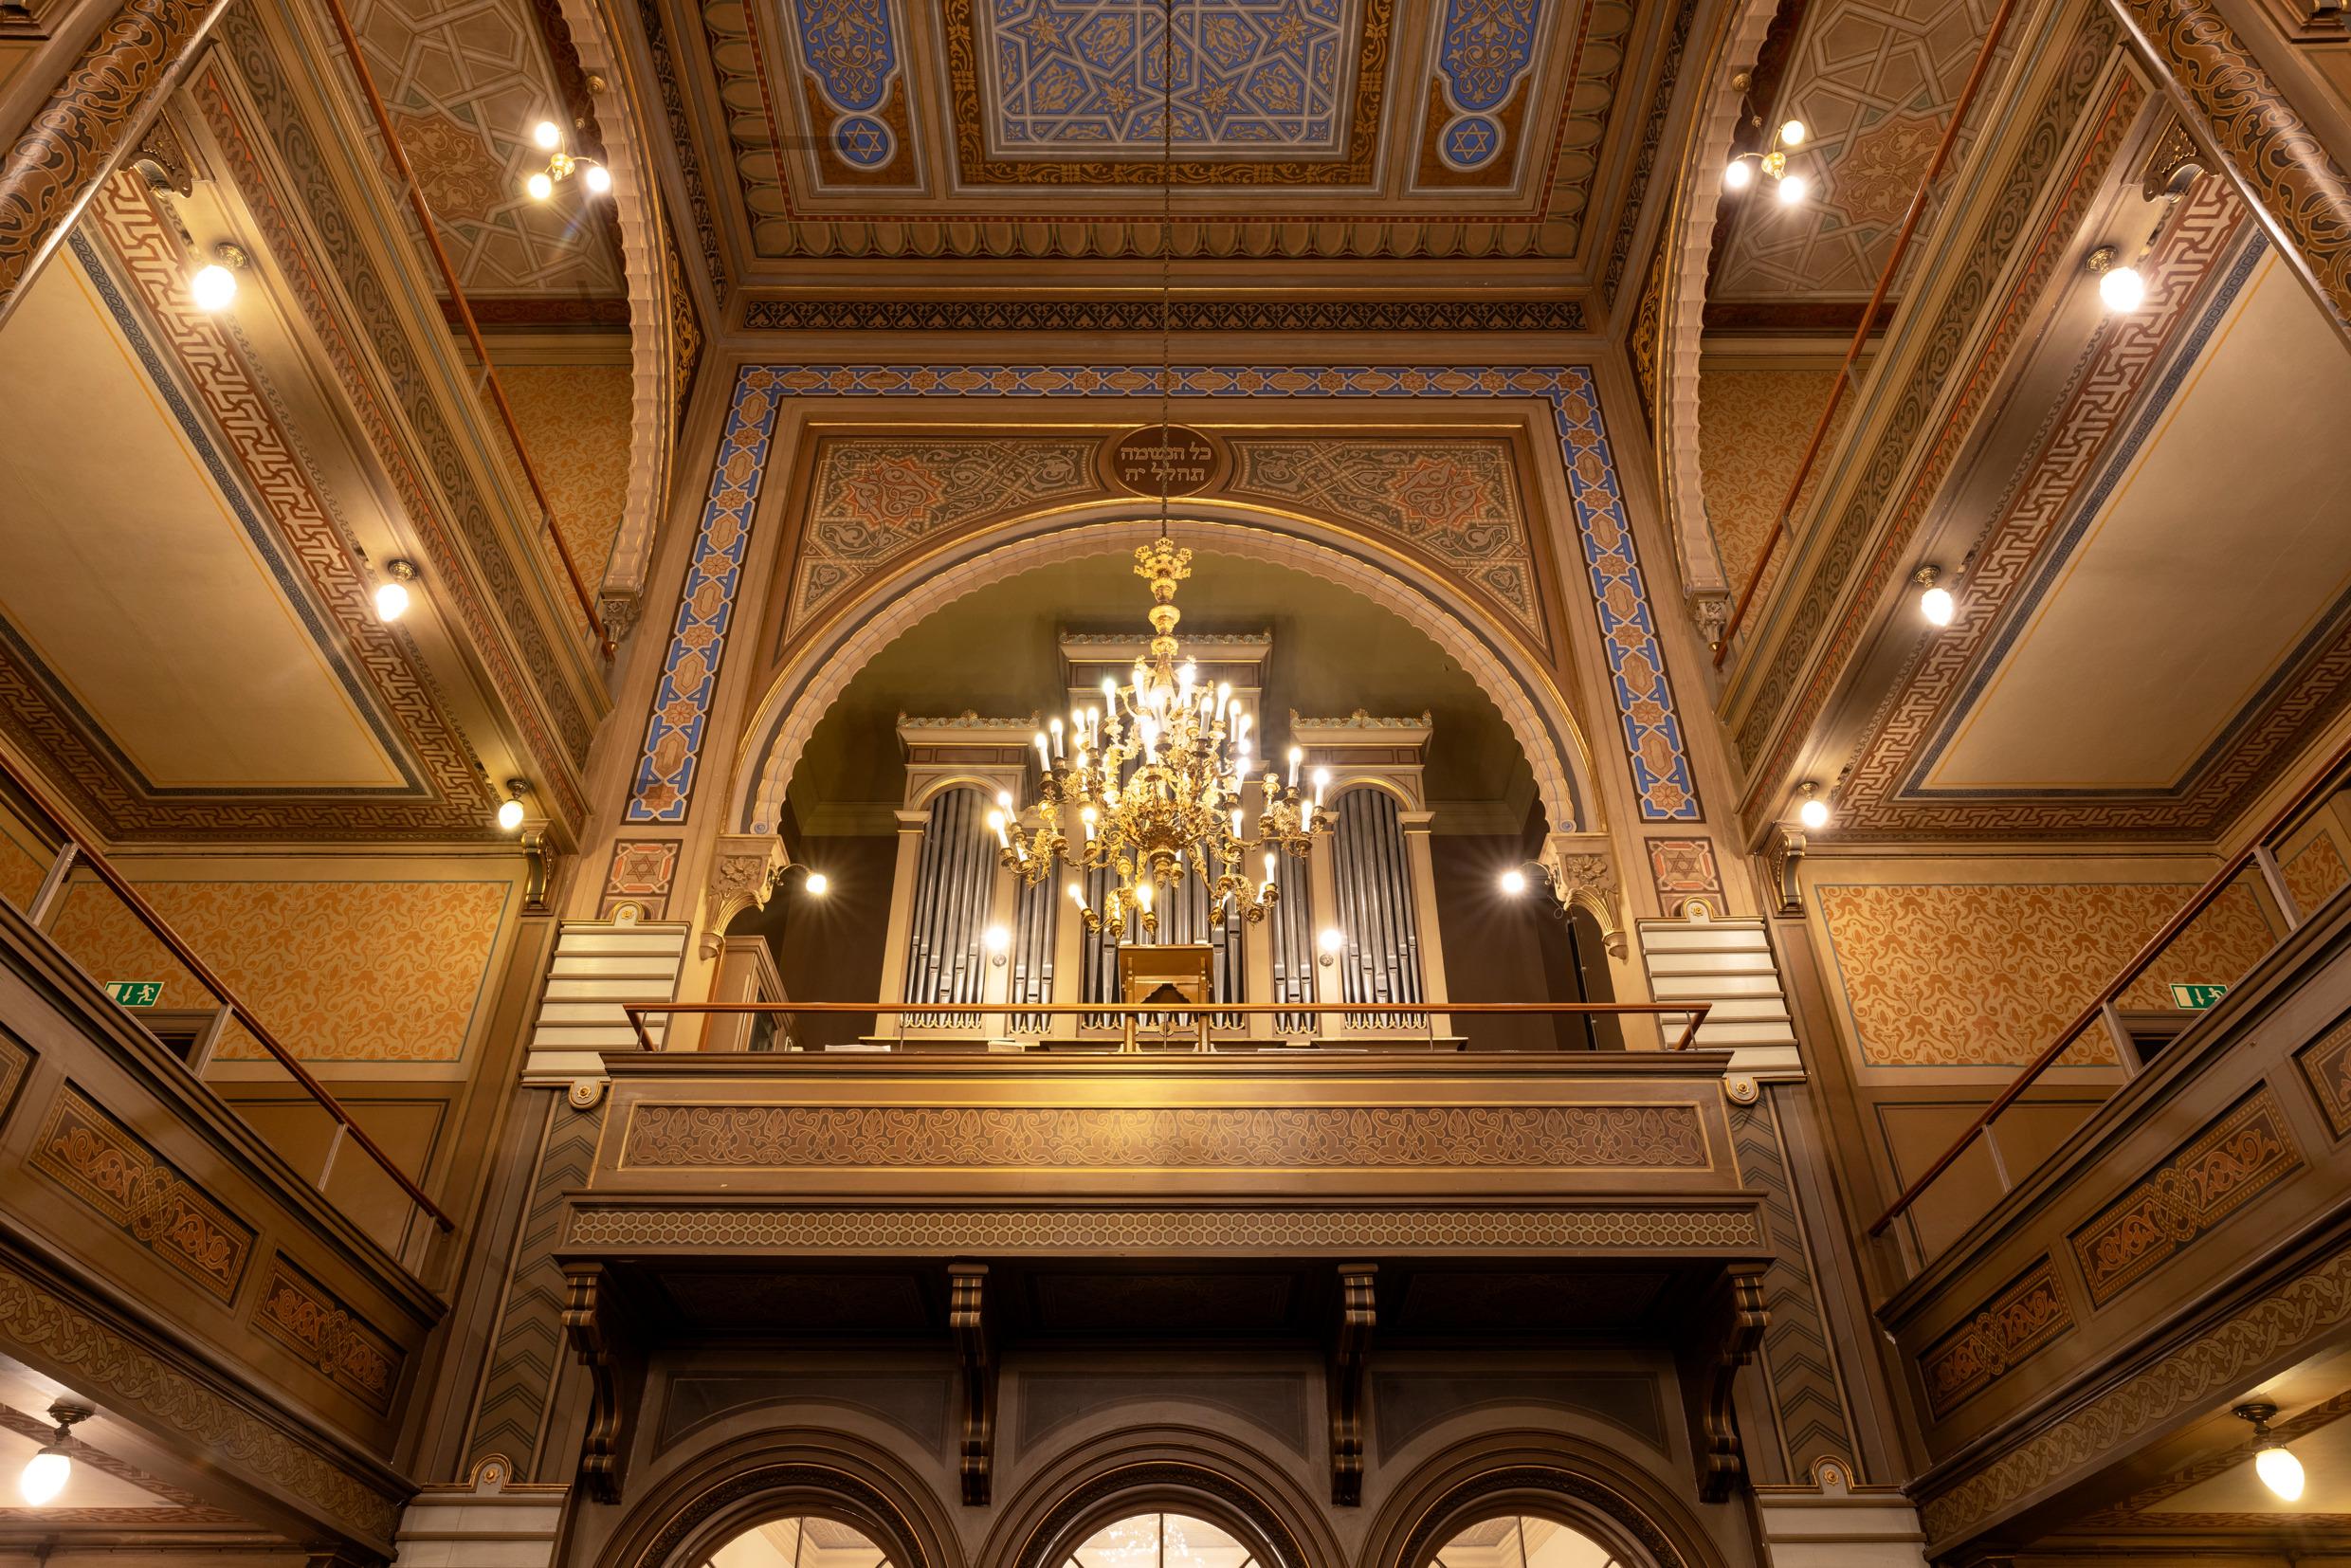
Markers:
point(1174, 784)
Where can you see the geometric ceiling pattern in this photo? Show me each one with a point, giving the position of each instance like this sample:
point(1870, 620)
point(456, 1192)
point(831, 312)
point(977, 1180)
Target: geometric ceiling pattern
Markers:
point(1379, 129)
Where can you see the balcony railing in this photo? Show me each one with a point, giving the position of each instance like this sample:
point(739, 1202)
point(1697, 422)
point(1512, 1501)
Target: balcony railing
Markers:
point(77, 850)
point(2102, 1015)
point(1161, 1026)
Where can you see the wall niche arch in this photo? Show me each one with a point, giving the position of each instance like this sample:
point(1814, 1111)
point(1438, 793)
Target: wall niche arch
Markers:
point(711, 1499)
point(1249, 1496)
point(1626, 1512)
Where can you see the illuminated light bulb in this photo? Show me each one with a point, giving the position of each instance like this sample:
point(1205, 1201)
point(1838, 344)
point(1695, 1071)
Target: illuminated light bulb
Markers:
point(1321, 781)
point(1188, 675)
point(818, 883)
point(1737, 174)
point(1331, 940)
point(1514, 883)
point(597, 178)
point(1814, 814)
point(1793, 190)
point(1088, 817)
point(1793, 133)
point(1077, 894)
point(540, 185)
point(1269, 862)
point(2277, 1466)
point(1237, 822)
point(509, 815)
point(2121, 288)
point(46, 1474)
point(996, 825)
point(547, 134)
point(1298, 755)
point(995, 938)
point(391, 601)
point(213, 287)
point(1143, 896)
point(1938, 605)
point(1004, 800)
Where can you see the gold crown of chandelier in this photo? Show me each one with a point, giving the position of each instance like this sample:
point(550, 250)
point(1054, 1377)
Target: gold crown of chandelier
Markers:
point(1155, 784)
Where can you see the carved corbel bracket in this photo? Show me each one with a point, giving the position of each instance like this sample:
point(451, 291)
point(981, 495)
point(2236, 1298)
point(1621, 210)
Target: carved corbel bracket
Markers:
point(592, 1327)
point(1582, 868)
point(1781, 858)
point(967, 1319)
point(743, 874)
point(620, 609)
point(1711, 614)
point(1725, 1336)
point(538, 882)
point(1350, 1349)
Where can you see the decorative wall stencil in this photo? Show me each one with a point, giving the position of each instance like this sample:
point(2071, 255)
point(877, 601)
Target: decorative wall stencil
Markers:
point(2325, 1064)
point(2020, 1320)
point(643, 872)
point(340, 971)
point(2250, 1148)
point(1685, 869)
point(1248, 74)
point(673, 735)
point(1746, 461)
point(1252, 78)
point(1992, 254)
point(461, 539)
point(795, 314)
point(1663, 783)
point(307, 1319)
point(2315, 874)
point(1799, 1363)
point(20, 873)
point(854, 90)
point(875, 497)
point(1725, 1226)
point(474, 78)
point(2100, 421)
point(575, 418)
point(1483, 49)
point(1986, 974)
point(107, 1166)
point(1547, 1138)
point(1455, 501)
point(126, 1376)
point(1645, 163)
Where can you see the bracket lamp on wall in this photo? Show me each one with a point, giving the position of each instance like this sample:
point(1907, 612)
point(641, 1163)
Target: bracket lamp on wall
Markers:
point(2272, 1460)
point(214, 287)
point(1935, 600)
point(510, 810)
point(47, 1472)
point(391, 595)
point(1812, 808)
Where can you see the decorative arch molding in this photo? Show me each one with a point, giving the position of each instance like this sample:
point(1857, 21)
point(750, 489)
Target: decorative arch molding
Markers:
point(1689, 247)
point(820, 668)
point(713, 1497)
point(1176, 1470)
point(1548, 1473)
point(636, 203)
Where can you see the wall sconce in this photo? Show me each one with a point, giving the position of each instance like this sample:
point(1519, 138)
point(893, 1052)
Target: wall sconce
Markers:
point(392, 596)
point(215, 285)
point(2272, 1460)
point(47, 1472)
point(1935, 601)
point(1813, 810)
point(510, 810)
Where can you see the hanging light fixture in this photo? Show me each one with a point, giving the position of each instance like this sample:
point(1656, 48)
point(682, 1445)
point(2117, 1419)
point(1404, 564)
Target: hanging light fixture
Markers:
point(1771, 160)
point(1935, 601)
point(1813, 810)
point(214, 287)
point(562, 164)
point(1161, 782)
point(510, 809)
point(391, 595)
point(47, 1472)
point(2272, 1460)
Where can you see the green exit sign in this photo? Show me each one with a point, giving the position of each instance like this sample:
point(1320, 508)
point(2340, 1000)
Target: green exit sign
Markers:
point(2196, 999)
point(148, 993)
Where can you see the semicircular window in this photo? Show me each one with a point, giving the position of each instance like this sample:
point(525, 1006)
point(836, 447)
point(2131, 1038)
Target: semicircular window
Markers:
point(1162, 1540)
point(804, 1541)
point(1523, 1540)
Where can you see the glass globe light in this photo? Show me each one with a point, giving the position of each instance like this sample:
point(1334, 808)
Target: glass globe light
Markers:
point(2121, 288)
point(46, 1474)
point(213, 287)
point(1737, 174)
point(2277, 1466)
point(1793, 133)
point(599, 179)
point(391, 601)
point(1814, 814)
point(1793, 190)
point(1938, 605)
point(818, 883)
point(1514, 883)
point(509, 815)
point(1331, 940)
point(540, 185)
point(547, 134)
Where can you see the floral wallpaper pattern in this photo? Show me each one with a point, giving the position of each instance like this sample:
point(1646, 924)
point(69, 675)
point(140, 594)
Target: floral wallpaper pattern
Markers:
point(1752, 427)
point(342, 971)
point(1944, 974)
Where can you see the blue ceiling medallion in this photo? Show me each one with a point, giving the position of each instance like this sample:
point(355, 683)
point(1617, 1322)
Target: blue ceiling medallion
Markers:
point(1469, 140)
point(863, 142)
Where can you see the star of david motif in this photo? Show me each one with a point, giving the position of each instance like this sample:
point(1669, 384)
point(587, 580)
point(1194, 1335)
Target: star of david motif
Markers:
point(1471, 142)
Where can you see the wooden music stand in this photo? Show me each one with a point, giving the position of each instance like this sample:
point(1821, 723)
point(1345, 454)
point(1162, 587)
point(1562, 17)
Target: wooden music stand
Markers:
point(1172, 975)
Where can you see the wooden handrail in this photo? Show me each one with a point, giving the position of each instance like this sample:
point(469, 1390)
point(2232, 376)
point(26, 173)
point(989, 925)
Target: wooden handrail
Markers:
point(2320, 784)
point(1696, 1011)
point(464, 314)
point(1868, 321)
point(161, 929)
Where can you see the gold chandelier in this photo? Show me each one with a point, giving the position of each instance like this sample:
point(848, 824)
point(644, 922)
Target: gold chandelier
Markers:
point(1155, 786)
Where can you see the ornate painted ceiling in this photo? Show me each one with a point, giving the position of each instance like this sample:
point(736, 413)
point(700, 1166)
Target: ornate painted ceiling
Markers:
point(1385, 131)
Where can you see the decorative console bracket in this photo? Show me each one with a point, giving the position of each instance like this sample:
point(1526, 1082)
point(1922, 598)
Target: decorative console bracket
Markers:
point(1723, 1337)
point(1581, 869)
point(967, 1319)
point(1357, 1315)
point(592, 1322)
point(742, 873)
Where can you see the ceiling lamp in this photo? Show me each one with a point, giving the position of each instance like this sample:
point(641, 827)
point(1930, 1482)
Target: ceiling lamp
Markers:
point(562, 165)
point(510, 809)
point(215, 285)
point(2122, 288)
point(1935, 601)
point(391, 595)
point(1158, 783)
point(1813, 812)
point(2272, 1460)
point(1771, 161)
point(47, 1472)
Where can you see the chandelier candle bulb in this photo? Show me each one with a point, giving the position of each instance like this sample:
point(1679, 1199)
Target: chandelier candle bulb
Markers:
point(1321, 782)
point(1297, 755)
point(1055, 727)
point(995, 820)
